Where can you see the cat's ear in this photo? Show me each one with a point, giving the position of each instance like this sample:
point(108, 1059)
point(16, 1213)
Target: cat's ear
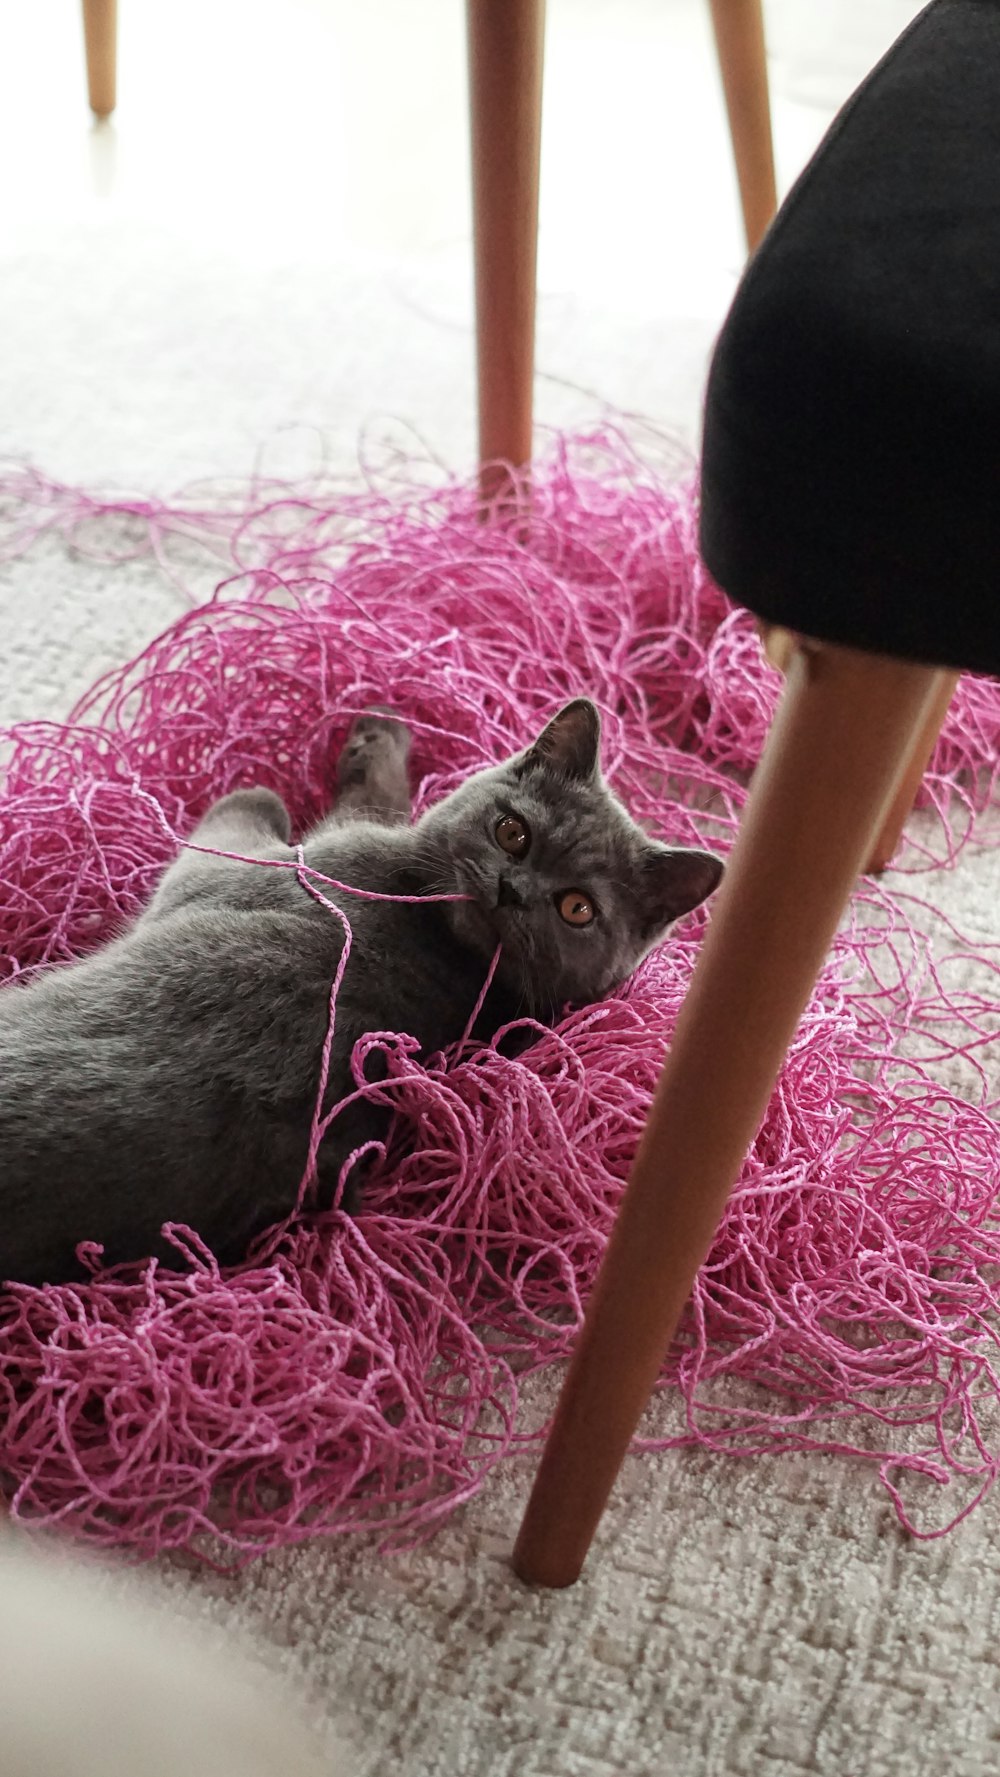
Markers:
point(571, 743)
point(672, 882)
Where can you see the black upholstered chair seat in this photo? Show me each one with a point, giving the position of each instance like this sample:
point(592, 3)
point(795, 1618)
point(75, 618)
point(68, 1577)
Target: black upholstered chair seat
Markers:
point(851, 465)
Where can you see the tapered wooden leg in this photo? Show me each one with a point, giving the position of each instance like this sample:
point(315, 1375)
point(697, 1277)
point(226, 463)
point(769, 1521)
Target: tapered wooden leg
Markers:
point(886, 845)
point(779, 647)
point(506, 40)
point(839, 743)
point(100, 34)
point(739, 38)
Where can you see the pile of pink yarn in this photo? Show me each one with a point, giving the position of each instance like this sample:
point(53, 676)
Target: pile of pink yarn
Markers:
point(366, 1376)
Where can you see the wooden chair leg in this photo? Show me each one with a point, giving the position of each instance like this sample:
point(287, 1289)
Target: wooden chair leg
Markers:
point(100, 35)
point(739, 38)
point(780, 646)
point(887, 843)
point(506, 39)
point(840, 741)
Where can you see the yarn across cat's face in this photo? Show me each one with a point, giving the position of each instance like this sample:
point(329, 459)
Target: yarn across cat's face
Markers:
point(560, 876)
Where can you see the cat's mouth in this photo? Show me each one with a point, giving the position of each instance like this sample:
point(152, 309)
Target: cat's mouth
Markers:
point(492, 915)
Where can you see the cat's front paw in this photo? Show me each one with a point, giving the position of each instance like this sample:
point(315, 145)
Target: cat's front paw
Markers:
point(375, 753)
point(376, 738)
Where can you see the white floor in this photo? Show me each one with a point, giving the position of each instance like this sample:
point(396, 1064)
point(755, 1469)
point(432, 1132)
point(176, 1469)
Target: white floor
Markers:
point(271, 245)
point(284, 193)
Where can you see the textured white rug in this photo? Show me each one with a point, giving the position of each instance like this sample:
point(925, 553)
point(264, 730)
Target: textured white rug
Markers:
point(757, 1619)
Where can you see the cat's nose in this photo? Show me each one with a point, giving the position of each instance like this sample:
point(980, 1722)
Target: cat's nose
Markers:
point(507, 895)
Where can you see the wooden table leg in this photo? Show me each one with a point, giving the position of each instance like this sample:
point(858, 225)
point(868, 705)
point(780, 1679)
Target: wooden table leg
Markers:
point(739, 39)
point(506, 39)
point(100, 35)
point(840, 741)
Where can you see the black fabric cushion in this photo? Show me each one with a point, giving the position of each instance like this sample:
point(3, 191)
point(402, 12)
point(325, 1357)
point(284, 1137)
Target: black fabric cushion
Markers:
point(851, 459)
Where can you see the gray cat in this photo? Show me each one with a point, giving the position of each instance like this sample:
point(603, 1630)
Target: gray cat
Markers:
point(172, 1075)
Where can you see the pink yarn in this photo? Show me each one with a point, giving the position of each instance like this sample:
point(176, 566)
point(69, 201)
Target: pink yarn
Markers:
point(362, 1375)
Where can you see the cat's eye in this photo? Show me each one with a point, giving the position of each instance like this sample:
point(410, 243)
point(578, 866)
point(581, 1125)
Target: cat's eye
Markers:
point(576, 908)
point(512, 836)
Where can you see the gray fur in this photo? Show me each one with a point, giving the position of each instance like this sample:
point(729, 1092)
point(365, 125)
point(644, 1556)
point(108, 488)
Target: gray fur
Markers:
point(172, 1075)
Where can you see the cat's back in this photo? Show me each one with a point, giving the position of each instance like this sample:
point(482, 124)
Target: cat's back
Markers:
point(236, 976)
point(229, 992)
point(169, 1077)
point(199, 986)
point(172, 1076)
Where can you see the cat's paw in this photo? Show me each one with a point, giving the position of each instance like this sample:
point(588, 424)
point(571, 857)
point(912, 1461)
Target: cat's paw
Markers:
point(379, 726)
point(376, 740)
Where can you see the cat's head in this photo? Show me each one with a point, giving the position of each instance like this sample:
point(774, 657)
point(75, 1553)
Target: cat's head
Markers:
point(559, 873)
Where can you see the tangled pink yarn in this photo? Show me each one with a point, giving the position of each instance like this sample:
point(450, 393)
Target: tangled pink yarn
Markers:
point(363, 1375)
